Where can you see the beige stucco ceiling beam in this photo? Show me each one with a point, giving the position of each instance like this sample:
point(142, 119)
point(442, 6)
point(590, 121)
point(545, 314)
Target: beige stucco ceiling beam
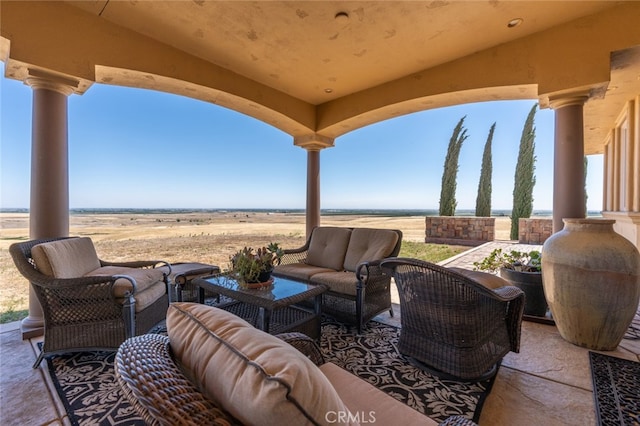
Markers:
point(111, 54)
point(562, 58)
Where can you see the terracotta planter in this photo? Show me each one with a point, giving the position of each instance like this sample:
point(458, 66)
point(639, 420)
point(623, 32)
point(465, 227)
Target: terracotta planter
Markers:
point(591, 282)
point(531, 284)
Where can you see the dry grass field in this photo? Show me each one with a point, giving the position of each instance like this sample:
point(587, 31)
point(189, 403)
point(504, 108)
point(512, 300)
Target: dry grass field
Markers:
point(194, 237)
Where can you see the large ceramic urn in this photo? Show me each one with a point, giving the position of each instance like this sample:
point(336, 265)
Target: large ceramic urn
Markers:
point(591, 279)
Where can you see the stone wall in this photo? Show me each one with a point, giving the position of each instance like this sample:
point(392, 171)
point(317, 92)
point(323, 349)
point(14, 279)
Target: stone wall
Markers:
point(534, 231)
point(468, 231)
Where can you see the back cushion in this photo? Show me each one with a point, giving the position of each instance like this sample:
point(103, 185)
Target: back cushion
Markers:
point(369, 244)
point(257, 378)
point(328, 246)
point(68, 258)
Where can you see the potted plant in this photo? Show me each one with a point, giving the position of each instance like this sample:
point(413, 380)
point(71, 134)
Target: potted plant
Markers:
point(523, 270)
point(249, 266)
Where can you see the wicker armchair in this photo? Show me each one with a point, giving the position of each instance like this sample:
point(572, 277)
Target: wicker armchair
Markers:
point(84, 313)
point(452, 323)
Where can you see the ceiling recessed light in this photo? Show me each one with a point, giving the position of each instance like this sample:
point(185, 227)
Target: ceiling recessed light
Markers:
point(515, 22)
point(341, 17)
point(328, 90)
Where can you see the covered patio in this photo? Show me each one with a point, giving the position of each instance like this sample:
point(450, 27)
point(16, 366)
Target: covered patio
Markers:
point(318, 70)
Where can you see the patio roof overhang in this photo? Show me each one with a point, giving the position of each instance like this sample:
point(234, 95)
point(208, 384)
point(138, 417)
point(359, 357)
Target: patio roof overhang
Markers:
point(319, 69)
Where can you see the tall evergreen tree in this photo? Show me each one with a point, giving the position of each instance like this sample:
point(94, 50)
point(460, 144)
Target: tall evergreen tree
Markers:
point(449, 175)
point(525, 179)
point(483, 200)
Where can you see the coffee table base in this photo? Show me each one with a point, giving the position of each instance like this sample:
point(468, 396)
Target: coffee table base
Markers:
point(283, 320)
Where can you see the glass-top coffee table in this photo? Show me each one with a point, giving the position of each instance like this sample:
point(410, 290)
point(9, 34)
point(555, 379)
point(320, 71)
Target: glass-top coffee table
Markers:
point(272, 309)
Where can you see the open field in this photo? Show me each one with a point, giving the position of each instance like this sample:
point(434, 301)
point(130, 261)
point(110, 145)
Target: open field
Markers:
point(209, 237)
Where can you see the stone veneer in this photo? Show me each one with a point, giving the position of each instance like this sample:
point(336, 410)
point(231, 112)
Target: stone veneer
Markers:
point(468, 231)
point(534, 231)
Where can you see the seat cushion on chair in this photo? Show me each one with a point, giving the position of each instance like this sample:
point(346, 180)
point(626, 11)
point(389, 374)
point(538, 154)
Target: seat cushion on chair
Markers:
point(343, 282)
point(144, 278)
point(301, 271)
point(68, 258)
point(256, 377)
point(369, 244)
point(328, 246)
point(490, 281)
point(370, 403)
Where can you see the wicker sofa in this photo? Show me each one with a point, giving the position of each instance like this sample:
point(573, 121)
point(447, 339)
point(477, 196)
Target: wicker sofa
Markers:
point(215, 368)
point(347, 260)
point(88, 303)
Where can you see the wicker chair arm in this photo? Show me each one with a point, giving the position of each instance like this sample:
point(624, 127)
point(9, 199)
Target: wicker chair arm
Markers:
point(515, 310)
point(304, 344)
point(370, 270)
point(298, 255)
point(458, 421)
point(158, 389)
point(138, 264)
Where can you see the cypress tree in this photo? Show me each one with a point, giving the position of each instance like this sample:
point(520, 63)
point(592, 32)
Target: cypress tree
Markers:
point(525, 179)
point(449, 175)
point(483, 200)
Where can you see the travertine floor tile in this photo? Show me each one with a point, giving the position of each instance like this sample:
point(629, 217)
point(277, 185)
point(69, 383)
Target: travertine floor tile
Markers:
point(521, 399)
point(25, 399)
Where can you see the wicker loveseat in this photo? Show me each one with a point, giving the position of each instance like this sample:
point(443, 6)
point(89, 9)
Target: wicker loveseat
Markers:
point(347, 260)
point(214, 368)
point(88, 303)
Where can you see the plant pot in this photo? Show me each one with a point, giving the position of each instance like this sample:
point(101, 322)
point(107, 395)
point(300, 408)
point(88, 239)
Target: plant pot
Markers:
point(531, 284)
point(592, 282)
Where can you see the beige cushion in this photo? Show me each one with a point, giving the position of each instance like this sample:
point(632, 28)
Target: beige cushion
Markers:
point(300, 270)
point(256, 377)
point(344, 282)
point(144, 278)
point(488, 280)
point(369, 244)
point(370, 403)
point(68, 258)
point(328, 246)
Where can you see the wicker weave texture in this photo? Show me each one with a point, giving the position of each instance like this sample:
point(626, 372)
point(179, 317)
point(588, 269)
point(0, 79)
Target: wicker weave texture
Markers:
point(452, 323)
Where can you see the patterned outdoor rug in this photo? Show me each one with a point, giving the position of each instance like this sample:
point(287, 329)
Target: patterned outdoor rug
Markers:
point(616, 390)
point(88, 389)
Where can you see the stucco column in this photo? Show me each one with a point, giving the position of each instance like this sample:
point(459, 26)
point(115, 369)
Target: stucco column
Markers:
point(49, 203)
point(313, 144)
point(568, 160)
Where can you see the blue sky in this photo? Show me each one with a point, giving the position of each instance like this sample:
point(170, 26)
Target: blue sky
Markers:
point(135, 148)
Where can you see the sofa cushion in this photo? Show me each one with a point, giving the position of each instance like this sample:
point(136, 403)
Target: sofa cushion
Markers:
point(301, 271)
point(68, 258)
point(343, 282)
point(369, 244)
point(149, 283)
point(328, 247)
point(490, 281)
point(256, 377)
point(370, 403)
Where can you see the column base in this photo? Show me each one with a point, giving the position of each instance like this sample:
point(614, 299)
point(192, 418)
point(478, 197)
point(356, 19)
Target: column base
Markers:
point(32, 327)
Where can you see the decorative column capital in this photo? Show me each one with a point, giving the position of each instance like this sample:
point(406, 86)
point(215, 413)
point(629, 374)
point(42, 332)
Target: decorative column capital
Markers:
point(313, 142)
point(43, 80)
point(568, 99)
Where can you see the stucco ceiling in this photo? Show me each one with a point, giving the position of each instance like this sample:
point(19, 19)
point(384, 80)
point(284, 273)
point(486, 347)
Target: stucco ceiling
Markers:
point(309, 48)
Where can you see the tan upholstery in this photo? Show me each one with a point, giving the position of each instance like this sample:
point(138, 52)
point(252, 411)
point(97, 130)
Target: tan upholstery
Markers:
point(370, 403)
point(144, 278)
point(67, 258)
point(328, 247)
point(344, 282)
point(256, 377)
point(367, 245)
point(301, 271)
point(488, 280)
